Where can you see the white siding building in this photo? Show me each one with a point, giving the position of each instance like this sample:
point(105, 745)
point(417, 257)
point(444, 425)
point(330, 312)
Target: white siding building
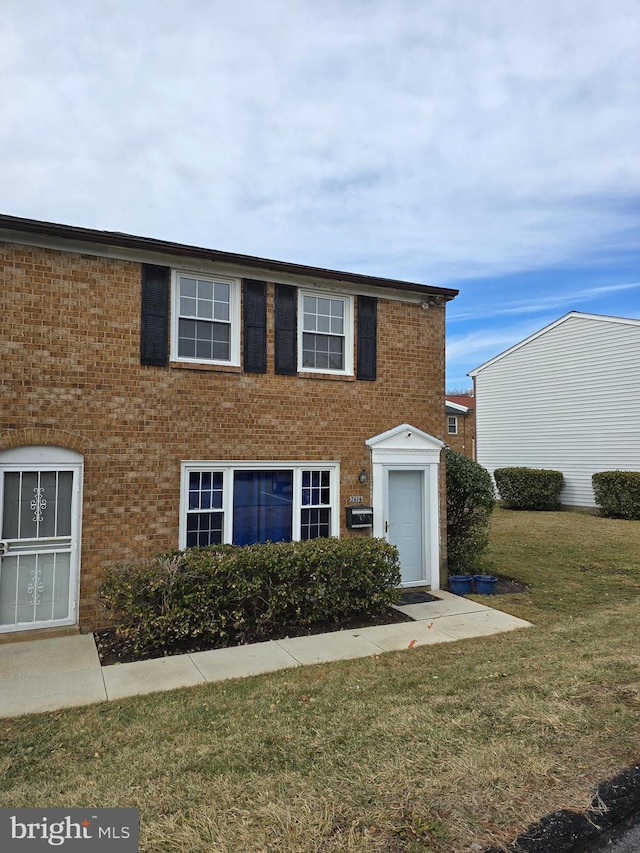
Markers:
point(566, 398)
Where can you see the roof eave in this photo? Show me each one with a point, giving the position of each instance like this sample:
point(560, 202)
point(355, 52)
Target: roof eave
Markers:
point(149, 244)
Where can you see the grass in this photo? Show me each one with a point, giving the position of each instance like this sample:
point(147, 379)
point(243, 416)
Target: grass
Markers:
point(435, 749)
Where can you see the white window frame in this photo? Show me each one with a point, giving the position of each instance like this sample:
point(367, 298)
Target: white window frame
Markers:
point(452, 421)
point(348, 331)
point(234, 317)
point(228, 468)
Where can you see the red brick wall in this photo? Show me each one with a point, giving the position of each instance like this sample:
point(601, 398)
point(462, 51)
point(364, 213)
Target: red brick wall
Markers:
point(71, 376)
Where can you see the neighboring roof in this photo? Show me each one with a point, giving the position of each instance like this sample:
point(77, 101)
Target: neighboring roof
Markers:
point(602, 318)
point(455, 409)
point(11, 227)
point(463, 401)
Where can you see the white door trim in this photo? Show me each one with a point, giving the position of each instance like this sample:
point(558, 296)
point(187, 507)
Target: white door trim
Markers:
point(45, 458)
point(409, 449)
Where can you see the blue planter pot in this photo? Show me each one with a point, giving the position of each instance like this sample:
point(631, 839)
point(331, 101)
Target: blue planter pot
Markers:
point(460, 584)
point(485, 584)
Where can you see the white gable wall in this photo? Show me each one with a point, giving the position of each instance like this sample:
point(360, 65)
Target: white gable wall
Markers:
point(568, 399)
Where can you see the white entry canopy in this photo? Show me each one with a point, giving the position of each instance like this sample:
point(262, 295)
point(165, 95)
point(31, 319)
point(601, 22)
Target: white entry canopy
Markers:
point(405, 463)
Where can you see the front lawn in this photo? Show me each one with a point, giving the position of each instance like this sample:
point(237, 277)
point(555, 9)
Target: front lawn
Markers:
point(434, 749)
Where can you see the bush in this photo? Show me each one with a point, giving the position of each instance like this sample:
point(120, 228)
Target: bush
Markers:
point(230, 594)
point(617, 493)
point(470, 502)
point(529, 488)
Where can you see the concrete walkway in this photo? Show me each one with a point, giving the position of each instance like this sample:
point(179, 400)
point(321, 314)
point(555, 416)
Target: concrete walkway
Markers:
point(49, 674)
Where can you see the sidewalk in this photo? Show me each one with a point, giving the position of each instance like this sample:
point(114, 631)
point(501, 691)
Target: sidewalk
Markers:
point(46, 675)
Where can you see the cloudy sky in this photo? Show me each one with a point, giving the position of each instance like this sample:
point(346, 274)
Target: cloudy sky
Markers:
point(488, 146)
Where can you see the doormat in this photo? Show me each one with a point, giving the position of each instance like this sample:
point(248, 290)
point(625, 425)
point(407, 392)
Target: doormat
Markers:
point(416, 597)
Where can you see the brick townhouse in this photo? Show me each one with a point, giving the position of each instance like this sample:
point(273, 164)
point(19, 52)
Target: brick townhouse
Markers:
point(460, 412)
point(158, 395)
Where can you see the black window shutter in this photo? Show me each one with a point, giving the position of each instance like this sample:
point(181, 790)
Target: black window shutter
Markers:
point(367, 334)
point(286, 344)
point(154, 330)
point(255, 326)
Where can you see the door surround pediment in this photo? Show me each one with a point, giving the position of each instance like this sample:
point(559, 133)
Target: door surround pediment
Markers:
point(405, 443)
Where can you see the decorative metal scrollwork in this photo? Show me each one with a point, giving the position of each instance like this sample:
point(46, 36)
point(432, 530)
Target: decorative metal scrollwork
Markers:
point(38, 504)
point(35, 587)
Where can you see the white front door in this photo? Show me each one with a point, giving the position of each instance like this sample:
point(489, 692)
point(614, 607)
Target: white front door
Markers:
point(39, 544)
point(406, 522)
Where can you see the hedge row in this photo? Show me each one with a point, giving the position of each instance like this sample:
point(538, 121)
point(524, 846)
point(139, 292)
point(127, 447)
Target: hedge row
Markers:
point(617, 493)
point(227, 594)
point(529, 488)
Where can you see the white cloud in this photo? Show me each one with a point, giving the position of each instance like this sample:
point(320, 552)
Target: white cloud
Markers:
point(427, 140)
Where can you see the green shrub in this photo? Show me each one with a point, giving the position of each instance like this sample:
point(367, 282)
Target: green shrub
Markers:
point(229, 594)
point(529, 488)
point(470, 502)
point(617, 493)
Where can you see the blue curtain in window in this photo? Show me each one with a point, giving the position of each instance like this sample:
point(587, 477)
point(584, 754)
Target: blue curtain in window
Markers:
point(262, 506)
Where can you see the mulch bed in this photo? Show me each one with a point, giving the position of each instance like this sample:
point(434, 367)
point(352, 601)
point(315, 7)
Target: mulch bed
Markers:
point(112, 649)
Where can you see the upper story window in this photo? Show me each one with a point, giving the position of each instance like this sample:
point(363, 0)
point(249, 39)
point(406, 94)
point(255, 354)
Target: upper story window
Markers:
point(206, 319)
point(325, 334)
point(452, 424)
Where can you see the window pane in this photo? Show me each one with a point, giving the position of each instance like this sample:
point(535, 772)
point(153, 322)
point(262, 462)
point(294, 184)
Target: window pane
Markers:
point(204, 350)
point(205, 309)
point(316, 488)
point(337, 325)
point(324, 307)
point(315, 523)
point(187, 338)
point(188, 287)
point(205, 490)
point(204, 528)
point(221, 343)
point(335, 362)
point(221, 311)
point(205, 300)
point(199, 339)
point(262, 506)
point(188, 307)
point(222, 291)
point(205, 290)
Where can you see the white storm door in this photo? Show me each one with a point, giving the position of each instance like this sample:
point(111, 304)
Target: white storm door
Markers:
point(405, 526)
point(38, 547)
